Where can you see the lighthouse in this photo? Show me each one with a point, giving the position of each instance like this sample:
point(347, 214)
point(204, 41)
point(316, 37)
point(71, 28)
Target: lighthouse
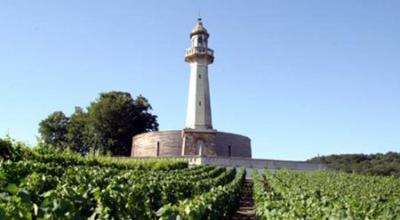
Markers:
point(198, 136)
point(199, 56)
point(199, 142)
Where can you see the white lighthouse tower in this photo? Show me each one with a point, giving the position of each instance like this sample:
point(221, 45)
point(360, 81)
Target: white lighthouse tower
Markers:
point(199, 56)
point(198, 136)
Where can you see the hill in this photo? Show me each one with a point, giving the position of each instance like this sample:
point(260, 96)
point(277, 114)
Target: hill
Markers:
point(372, 164)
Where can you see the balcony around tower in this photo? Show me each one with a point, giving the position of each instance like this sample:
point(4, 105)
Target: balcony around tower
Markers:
point(194, 52)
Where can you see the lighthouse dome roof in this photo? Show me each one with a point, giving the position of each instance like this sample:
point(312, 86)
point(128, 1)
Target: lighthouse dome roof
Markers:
point(199, 29)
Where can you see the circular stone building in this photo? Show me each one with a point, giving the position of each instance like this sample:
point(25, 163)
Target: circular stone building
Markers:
point(198, 137)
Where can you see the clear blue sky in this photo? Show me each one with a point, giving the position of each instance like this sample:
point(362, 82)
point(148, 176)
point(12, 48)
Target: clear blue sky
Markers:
point(301, 78)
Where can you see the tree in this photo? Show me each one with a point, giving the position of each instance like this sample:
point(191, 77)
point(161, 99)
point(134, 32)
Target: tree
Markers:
point(53, 130)
point(376, 164)
point(76, 131)
point(114, 118)
point(108, 125)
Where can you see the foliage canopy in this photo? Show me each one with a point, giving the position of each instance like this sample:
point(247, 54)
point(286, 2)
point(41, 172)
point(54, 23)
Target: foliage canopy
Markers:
point(375, 164)
point(107, 125)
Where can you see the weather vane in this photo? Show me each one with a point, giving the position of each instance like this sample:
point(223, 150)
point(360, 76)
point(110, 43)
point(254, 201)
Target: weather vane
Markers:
point(199, 15)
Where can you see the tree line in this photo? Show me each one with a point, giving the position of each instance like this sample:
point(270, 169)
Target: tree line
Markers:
point(387, 164)
point(107, 125)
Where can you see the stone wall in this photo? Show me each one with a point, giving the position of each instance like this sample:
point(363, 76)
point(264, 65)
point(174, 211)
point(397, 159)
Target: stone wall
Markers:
point(158, 143)
point(240, 146)
point(169, 143)
point(249, 163)
point(260, 163)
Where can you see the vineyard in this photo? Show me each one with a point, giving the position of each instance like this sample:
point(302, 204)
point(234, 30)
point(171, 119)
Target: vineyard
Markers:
point(68, 186)
point(31, 189)
point(325, 195)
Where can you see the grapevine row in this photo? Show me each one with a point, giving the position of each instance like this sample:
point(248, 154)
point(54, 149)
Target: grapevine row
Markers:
point(219, 203)
point(323, 195)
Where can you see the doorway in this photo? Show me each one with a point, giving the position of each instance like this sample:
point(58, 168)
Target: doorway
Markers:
point(199, 147)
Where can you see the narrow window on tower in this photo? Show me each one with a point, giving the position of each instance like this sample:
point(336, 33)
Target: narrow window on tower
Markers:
point(199, 76)
point(199, 103)
point(158, 149)
point(200, 41)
